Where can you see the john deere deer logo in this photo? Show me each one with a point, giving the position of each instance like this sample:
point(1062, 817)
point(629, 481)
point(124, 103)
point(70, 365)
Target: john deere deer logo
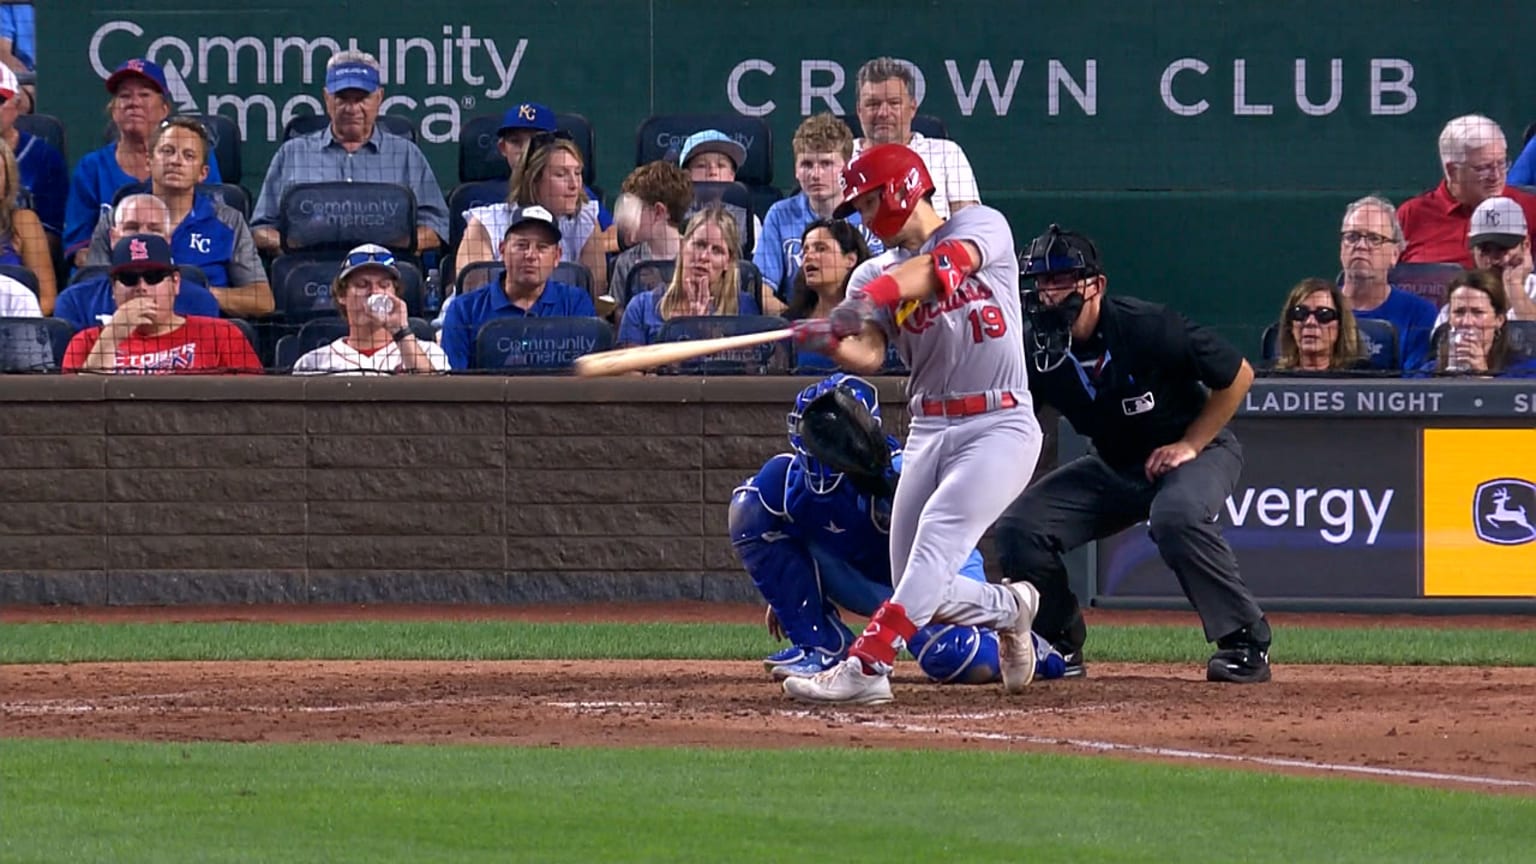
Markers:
point(1502, 511)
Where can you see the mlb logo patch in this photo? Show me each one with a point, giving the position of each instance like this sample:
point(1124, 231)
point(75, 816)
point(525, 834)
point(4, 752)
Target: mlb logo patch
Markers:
point(1138, 404)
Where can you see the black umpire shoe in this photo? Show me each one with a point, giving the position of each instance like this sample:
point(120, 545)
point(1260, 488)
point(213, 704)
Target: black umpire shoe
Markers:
point(1073, 658)
point(1239, 659)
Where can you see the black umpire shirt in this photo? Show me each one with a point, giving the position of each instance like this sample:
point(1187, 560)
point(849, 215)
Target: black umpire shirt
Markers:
point(1139, 381)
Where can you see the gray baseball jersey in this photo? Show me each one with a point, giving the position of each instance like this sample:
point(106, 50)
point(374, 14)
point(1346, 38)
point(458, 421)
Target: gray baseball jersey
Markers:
point(971, 342)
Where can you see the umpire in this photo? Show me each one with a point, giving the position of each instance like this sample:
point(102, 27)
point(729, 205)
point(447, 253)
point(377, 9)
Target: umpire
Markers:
point(1154, 392)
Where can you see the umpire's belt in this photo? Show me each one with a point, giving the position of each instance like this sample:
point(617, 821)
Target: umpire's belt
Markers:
point(965, 406)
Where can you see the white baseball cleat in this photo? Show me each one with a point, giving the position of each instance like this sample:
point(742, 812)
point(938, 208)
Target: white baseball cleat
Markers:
point(843, 684)
point(1015, 646)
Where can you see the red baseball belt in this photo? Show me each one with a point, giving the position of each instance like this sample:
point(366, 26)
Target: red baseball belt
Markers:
point(965, 406)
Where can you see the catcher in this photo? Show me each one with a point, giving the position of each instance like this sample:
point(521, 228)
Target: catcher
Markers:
point(811, 530)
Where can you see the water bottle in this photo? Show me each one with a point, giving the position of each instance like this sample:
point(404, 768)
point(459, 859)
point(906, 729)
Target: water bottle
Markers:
point(379, 305)
point(433, 300)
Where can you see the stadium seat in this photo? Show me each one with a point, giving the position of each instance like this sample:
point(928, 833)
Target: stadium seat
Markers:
point(26, 345)
point(307, 123)
point(224, 135)
point(1379, 344)
point(249, 330)
point(382, 213)
point(477, 275)
point(518, 346)
point(480, 160)
point(773, 357)
point(468, 195)
point(286, 352)
point(764, 197)
point(662, 136)
point(1426, 280)
point(44, 126)
point(736, 198)
point(572, 273)
point(653, 274)
point(22, 275)
point(1521, 338)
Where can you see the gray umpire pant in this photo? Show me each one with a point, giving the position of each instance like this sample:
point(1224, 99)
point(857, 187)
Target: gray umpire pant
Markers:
point(1087, 499)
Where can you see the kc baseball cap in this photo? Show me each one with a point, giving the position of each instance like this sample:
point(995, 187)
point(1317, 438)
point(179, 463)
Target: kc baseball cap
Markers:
point(139, 253)
point(368, 255)
point(138, 67)
point(712, 141)
point(528, 115)
point(535, 215)
point(352, 75)
point(1499, 221)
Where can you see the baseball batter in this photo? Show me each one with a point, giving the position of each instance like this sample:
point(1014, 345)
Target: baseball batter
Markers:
point(814, 538)
point(952, 309)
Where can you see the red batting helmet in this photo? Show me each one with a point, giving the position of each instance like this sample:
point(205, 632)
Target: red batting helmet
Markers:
point(901, 177)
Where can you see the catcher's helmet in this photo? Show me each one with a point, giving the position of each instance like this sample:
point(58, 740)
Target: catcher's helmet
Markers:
point(819, 477)
point(900, 176)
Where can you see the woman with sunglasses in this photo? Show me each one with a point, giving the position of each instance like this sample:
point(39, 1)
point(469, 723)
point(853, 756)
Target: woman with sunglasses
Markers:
point(205, 232)
point(549, 176)
point(379, 339)
point(1475, 341)
point(145, 336)
point(1317, 330)
point(705, 281)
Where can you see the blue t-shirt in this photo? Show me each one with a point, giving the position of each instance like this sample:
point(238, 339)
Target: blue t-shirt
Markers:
point(97, 179)
point(1523, 172)
point(44, 175)
point(79, 304)
point(469, 312)
point(18, 23)
point(1414, 318)
point(778, 256)
point(643, 321)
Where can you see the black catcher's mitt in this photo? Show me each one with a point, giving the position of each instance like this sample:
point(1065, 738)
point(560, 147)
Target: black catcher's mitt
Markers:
point(839, 431)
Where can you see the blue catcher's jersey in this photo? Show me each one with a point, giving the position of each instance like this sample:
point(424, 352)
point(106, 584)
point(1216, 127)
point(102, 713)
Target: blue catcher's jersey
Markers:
point(842, 522)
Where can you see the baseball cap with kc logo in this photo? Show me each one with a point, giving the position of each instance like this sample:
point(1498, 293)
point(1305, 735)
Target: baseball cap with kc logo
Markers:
point(1498, 221)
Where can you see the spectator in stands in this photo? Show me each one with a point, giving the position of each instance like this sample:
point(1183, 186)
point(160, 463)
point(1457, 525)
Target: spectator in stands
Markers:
point(832, 249)
point(17, 300)
point(1501, 242)
point(1523, 172)
point(711, 156)
point(519, 125)
point(92, 300)
point(653, 202)
point(1476, 343)
point(18, 37)
point(139, 102)
point(706, 280)
point(42, 167)
point(822, 146)
point(353, 148)
point(206, 232)
point(22, 241)
point(375, 343)
point(530, 250)
point(1317, 330)
point(1475, 162)
point(549, 177)
point(1369, 243)
point(146, 336)
point(887, 103)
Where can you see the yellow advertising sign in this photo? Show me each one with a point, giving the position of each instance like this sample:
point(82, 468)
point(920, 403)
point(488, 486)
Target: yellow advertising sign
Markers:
point(1480, 512)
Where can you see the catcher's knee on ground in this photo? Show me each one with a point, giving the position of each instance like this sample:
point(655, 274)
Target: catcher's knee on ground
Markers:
point(954, 654)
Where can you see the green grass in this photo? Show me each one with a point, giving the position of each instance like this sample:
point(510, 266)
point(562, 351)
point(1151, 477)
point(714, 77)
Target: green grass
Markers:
point(499, 640)
point(93, 801)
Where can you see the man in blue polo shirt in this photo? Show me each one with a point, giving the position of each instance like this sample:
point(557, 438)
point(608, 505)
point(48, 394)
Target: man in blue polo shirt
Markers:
point(530, 250)
point(85, 303)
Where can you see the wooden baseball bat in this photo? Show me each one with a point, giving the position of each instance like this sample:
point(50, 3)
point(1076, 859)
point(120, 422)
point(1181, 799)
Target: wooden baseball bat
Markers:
point(621, 360)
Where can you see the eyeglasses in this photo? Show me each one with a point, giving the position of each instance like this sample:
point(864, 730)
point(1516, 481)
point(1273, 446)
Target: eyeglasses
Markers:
point(359, 259)
point(544, 139)
point(1323, 314)
point(1487, 169)
point(1369, 238)
point(153, 277)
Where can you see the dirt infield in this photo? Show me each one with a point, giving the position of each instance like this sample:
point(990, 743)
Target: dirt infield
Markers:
point(1451, 727)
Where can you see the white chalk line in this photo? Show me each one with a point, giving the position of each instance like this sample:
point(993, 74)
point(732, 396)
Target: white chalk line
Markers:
point(1165, 752)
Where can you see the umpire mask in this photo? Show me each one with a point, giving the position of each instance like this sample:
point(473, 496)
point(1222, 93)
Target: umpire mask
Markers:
point(1054, 253)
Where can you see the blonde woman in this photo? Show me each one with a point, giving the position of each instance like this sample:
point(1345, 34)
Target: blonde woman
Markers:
point(548, 176)
point(705, 281)
point(1317, 330)
point(22, 241)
